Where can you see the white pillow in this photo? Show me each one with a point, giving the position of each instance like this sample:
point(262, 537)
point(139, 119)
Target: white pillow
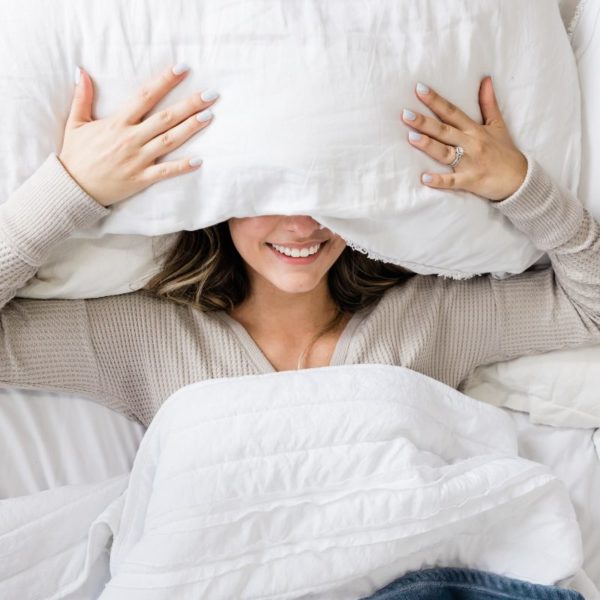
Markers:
point(309, 116)
point(96, 267)
point(557, 388)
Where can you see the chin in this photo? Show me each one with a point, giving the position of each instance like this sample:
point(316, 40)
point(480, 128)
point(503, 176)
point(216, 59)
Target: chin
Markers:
point(289, 286)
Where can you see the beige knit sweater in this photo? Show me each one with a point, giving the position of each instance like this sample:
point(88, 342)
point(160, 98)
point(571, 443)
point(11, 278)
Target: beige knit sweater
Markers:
point(130, 352)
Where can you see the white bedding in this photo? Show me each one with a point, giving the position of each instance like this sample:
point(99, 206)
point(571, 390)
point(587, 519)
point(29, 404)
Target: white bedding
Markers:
point(586, 45)
point(58, 447)
point(48, 440)
point(481, 429)
point(574, 456)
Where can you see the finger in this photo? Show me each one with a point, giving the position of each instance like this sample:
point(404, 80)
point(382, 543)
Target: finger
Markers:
point(166, 170)
point(440, 152)
point(166, 119)
point(445, 110)
point(446, 181)
point(150, 94)
point(173, 138)
point(81, 106)
point(490, 111)
point(434, 128)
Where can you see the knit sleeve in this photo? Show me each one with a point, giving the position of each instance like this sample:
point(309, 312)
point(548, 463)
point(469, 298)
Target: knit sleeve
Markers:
point(550, 308)
point(45, 343)
point(42, 212)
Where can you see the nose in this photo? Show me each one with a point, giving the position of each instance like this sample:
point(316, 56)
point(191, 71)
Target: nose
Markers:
point(302, 225)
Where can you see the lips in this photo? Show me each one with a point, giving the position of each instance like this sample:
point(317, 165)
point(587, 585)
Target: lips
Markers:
point(297, 259)
point(299, 246)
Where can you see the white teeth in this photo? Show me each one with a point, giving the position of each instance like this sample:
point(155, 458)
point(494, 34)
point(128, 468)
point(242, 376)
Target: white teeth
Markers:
point(295, 252)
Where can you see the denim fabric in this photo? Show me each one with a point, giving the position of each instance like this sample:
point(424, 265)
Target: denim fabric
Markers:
point(446, 583)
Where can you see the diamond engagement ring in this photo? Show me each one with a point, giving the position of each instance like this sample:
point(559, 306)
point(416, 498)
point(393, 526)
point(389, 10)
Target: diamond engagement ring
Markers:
point(458, 154)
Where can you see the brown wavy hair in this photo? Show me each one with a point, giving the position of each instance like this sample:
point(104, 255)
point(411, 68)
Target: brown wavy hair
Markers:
point(203, 269)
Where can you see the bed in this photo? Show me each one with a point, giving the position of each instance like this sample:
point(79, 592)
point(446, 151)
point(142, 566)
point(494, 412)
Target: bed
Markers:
point(52, 442)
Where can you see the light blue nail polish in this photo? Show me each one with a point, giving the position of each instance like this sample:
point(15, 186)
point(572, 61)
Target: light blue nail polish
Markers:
point(205, 115)
point(409, 115)
point(180, 68)
point(194, 162)
point(422, 88)
point(208, 95)
point(414, 136)
point(427, 178)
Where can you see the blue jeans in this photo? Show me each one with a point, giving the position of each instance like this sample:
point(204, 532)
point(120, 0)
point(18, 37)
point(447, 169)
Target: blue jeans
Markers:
point(446, 583)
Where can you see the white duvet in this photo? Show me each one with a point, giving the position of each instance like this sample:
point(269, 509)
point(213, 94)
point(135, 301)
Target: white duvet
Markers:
point(328, 481)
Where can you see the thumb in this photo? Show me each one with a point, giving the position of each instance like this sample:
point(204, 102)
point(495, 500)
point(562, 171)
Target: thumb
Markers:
point(490, 111)
point(81, 107)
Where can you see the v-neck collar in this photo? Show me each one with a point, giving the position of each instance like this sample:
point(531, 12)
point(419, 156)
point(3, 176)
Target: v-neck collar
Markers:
point(263, 364)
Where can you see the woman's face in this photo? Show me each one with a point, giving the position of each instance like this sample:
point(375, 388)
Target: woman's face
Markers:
point(254, 237)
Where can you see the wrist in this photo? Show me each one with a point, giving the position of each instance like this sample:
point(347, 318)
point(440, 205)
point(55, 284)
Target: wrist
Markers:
point(547, 213)
point(46, 209)
point(517, 177)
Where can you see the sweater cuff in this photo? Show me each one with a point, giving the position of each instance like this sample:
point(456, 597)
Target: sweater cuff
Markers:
point(548, 214)
point(46, 209)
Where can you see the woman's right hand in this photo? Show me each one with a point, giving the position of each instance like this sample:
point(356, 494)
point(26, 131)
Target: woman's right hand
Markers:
point(113, 158)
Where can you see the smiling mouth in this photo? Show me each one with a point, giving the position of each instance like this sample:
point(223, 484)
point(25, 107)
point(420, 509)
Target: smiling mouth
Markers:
point(297, 248)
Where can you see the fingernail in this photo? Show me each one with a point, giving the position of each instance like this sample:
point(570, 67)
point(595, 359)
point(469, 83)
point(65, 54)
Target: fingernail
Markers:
point(180, 68)
point(409, 115)
point(205, 115)
point(195, 162)
point(414, 136)
point(427, 178)
point(422, 88)
point(77, 75)
point(209, 95)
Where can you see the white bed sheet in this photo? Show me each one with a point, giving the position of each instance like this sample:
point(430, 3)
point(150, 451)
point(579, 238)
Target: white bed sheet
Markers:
point(573, 456)
point(49, 440)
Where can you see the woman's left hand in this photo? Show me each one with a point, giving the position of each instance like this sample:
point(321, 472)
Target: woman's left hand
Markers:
point(492, 166)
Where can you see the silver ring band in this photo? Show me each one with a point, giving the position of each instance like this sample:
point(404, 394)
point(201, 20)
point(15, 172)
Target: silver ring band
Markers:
point(458, 154)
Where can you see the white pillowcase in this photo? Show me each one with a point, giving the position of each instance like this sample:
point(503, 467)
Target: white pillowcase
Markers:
point(556, 388)
point(96, 267)
point(309, 116)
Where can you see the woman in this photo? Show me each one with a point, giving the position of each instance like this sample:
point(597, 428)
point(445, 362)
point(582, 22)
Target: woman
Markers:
point(238, 306)
point(228, 302)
